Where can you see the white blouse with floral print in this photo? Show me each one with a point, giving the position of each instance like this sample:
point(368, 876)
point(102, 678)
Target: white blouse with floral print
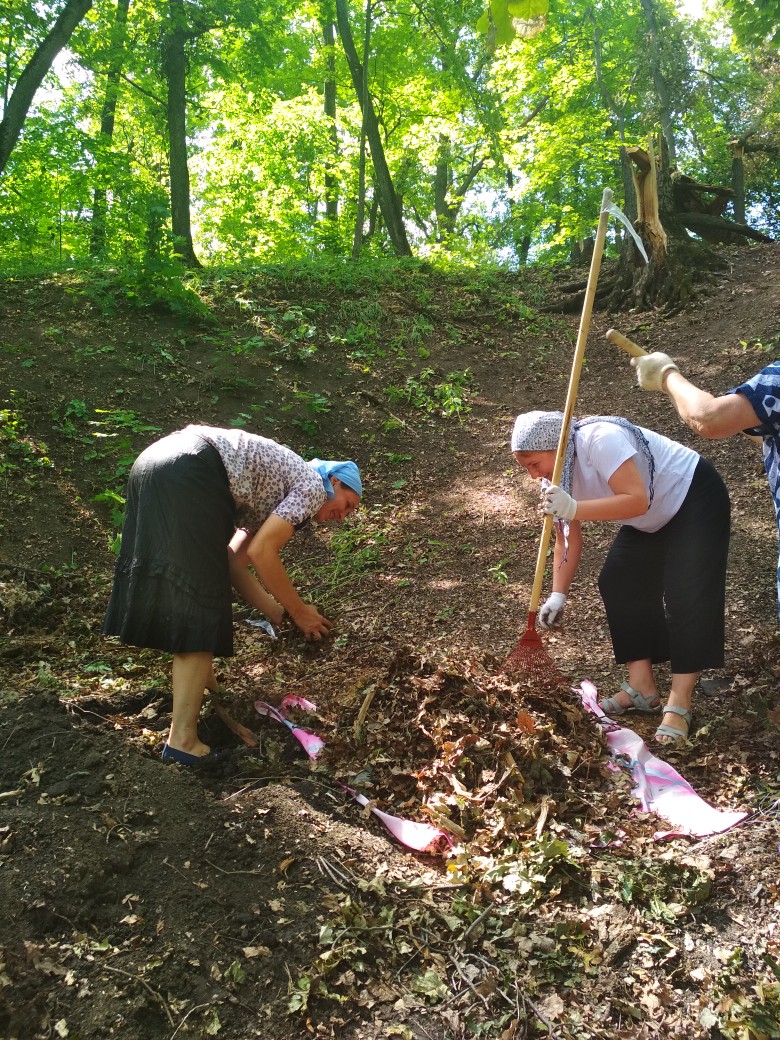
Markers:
point(265, 477)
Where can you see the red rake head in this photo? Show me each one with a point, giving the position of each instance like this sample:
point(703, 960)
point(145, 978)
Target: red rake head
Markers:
point(530, 660)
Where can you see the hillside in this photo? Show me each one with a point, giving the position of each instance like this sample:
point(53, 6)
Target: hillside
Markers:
point(145, 902)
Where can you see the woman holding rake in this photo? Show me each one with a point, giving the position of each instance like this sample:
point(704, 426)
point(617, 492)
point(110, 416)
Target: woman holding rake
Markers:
point(663, 580)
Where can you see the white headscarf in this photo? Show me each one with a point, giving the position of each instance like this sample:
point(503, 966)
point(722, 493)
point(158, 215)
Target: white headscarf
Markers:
point(541, 431)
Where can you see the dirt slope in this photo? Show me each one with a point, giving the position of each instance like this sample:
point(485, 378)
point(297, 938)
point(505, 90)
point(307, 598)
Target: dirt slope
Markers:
point(260, 900)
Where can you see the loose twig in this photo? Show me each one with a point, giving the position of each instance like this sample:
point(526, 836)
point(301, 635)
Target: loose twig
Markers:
point(146, 986)
point(198, 1007)
point(222, 870)
point(361, 715)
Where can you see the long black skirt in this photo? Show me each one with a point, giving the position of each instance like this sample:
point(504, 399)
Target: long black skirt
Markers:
point(172, 586)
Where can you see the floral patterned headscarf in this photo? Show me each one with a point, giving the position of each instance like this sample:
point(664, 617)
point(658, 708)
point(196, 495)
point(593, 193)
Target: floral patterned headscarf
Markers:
point(541, 431)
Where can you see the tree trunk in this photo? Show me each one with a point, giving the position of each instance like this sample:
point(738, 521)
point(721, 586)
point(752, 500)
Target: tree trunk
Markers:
point(358, 236)
point(675, 260)
point(329, 107)
point(447, 195)
point(738, 179)
point(116, 62)
point(32, 76)
point(661, 89)
point(175, 70)
point(389, 202)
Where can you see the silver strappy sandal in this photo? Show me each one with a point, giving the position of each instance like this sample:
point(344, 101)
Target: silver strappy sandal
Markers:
point(648, 704)
point(667, 734)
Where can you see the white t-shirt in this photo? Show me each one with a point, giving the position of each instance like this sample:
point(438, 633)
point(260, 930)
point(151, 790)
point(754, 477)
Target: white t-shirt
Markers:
point(603, 447)
point(265, 477)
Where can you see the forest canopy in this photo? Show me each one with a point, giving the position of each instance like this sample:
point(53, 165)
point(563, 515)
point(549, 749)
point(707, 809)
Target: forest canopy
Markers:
point(241, 131)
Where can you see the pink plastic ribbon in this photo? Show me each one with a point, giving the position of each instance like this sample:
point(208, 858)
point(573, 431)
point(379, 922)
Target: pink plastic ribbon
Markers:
point(419, 836)
point(657, 785)
point(292, 700)
point(422, 837)
point(310, 742)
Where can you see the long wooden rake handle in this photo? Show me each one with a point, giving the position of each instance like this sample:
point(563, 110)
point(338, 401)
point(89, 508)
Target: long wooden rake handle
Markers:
point(571, 395)
point(625, 343)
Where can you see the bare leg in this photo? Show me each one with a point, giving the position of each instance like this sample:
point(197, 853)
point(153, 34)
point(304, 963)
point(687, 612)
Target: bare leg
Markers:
point(640, 678)
point(191, 673)
point(680, 696)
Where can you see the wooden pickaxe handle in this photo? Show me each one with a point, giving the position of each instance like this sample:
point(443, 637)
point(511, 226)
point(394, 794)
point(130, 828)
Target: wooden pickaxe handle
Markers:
point(625, 343)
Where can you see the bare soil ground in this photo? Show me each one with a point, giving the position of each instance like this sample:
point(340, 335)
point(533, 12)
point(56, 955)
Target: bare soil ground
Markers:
point(259, 899)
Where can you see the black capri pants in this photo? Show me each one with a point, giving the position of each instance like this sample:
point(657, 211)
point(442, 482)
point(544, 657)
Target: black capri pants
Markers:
point(665, 592)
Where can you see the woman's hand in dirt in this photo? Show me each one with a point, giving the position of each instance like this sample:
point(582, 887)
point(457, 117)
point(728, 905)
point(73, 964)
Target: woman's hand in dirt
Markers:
point(313, 624)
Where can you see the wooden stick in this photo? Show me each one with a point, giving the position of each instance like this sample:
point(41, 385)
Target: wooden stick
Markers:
point(625, 343)
point(571, 396)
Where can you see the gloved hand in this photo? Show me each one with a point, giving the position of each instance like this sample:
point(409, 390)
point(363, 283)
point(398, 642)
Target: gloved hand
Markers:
point(556, 501)
point(651, 369)
point(551, 613)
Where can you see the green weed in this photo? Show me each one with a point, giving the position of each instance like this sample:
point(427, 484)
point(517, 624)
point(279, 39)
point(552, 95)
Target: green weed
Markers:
point(67, 418)
point(158, 282)
point(770, 344)
point(743, 1007)
point(446, 397)
point(20, 453)
point(498, 571)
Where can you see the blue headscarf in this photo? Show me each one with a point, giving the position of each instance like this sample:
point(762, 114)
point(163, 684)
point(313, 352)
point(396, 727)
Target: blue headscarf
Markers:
point(346, 472)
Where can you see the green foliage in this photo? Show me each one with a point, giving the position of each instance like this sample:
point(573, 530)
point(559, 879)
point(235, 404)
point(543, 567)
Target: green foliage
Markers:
point(20, 452)
point(505, 19)
point(161, 284)
point(496, 159)
point(771, 344)
point(446, 396)
point(68, 419)
point(742, 1006)
point(664, 891)
point(355, 549)
point(296, 335)
point(117, 504)
point(498, 571)
point(754, 22)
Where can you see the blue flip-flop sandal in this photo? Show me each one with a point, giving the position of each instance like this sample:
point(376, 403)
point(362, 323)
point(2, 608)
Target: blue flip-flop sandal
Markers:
point(183, 758)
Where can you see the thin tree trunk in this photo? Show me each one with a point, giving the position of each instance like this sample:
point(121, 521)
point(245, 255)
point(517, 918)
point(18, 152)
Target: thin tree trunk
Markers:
point(175, 70)
point(738, 179)
point(389, 202)
point(661, 89)
point(360, 210)
point(107, 118)
point(329, 106)
point(32, 76)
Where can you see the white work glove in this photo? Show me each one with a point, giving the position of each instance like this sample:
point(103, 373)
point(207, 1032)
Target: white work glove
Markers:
point(556, 501)
point(651, 369)
point(551, 612)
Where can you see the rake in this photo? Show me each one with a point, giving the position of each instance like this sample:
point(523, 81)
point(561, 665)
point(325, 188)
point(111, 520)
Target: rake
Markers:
point(529, 656)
